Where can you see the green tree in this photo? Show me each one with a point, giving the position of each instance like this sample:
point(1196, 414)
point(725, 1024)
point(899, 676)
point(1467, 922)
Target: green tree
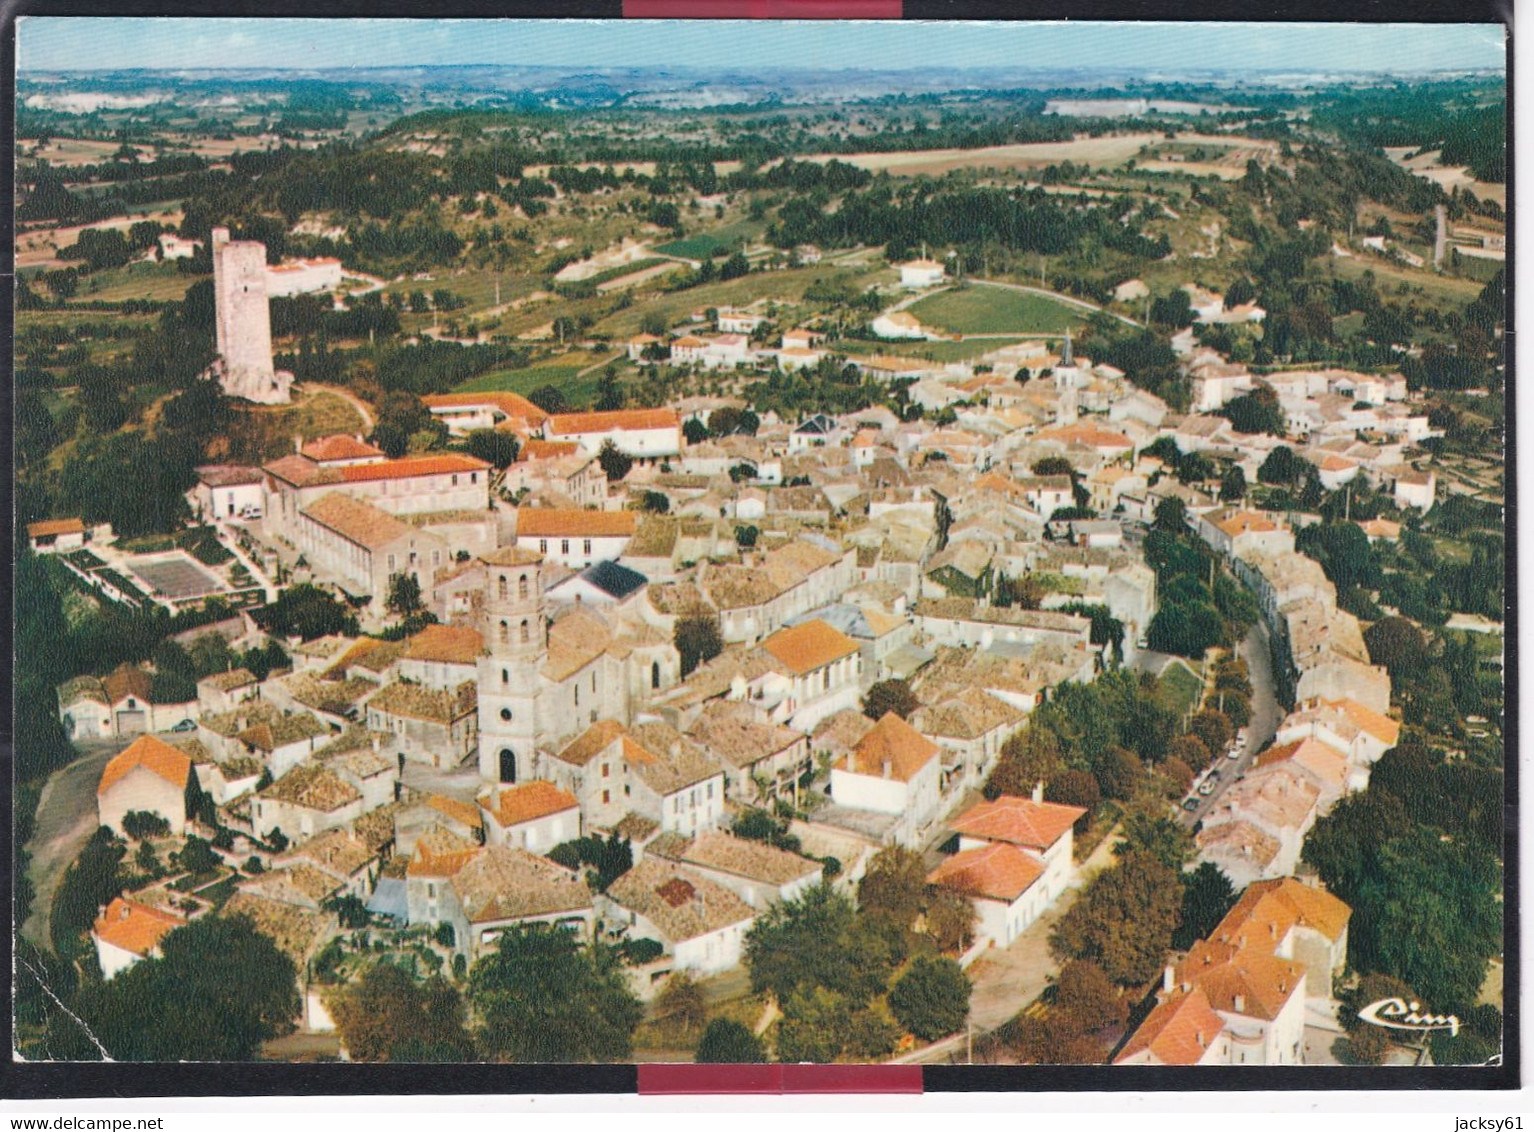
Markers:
point(1086, 994)
point(549, 399)
point(697, 641)
point(1256, 412)
point(815, 1026)
point(1233, 484)
point(931, 1000)
point(540, 996)
point(1282, 466)
point(727, 1042)
point(1398, 645)
point(818, 940)
point(615, 464)
point(894, 887)
point(218, 991)
point(1149, 831)
point(1124, 920)
point(496, 448)
point(1206, 896)
point(142, 825)
point(404, 594)
point(892, 695)
point(387, 1014)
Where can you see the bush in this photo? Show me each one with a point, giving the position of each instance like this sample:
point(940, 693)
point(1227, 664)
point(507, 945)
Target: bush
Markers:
point(931, 1000)
point(727, 1042)
point(141, 824)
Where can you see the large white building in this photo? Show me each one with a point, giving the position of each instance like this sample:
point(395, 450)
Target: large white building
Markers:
point(647, 435)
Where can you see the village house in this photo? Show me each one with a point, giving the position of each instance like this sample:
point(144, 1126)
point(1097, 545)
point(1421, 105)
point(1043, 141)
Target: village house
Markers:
point(819, 672)
point(576, 538)
point(895, 770)
point(534, 816)
point(701, 924)
point(651, 770)
point(762, 760)
point(441, 657)
point(464, 413)
point(646, 435)
point(427, 725)
point(482, 891)
point(148, 776)
point(1014, 860)
point(304, 802)
point(128, 932)
point(760, 874)
point(57, 536)
point(223, 691)
point(919, 273)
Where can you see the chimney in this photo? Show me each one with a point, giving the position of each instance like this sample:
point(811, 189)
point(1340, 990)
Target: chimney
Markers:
point(676, 748)
point(1038, 791)
point(1240, 1004)
point(887, 768)
point(298, 443)
point(1168, 979)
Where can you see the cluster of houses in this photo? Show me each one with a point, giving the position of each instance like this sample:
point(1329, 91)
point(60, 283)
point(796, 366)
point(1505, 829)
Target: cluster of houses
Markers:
point(1339, 727)
point(431, 776)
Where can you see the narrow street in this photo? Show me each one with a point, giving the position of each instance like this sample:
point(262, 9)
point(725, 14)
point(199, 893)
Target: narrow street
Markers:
point(66, 818)
point(1267, 714)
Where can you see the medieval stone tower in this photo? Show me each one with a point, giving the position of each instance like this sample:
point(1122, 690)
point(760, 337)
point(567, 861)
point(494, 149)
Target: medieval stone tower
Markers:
point(516, 645)
point(244, 322)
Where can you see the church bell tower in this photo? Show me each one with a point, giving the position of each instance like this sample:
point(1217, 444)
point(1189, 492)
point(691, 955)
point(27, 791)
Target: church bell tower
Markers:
point(516, 645)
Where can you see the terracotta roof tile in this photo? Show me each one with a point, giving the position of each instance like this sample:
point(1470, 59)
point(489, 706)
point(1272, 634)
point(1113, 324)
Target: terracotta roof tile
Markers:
point(681, 908)
point(1177, 1032)
point(566, 424)
point(512, 405)
point(357, 521)
point(526, 802)
point(892, 745)
point(340, 447)
point(998, 872)
point(134, 927)
point(551, 522)
point(1021, 821)
point(152, 754)
point(805, 647)
point(450, 644)
point(413, 466)
point(50, 527)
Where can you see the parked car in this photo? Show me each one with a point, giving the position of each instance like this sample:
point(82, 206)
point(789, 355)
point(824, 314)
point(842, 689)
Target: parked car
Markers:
point(186, 725)
point(250, 511)
point(1235, 752)
point(1190, 805)
point(1207, 788)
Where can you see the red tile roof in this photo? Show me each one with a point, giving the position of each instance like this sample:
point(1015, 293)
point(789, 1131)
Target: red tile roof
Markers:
point(1021, 821)
point(509, 404)
point(810, 645)
point(134, 927)
point(527, 802)
point(997, 872)
point(413, 466)
point(55, 527)
point(565, 424)
point(1177, 1032)
point(554, 522)
point(340, 447)
point(892, 745)
point(151, 754)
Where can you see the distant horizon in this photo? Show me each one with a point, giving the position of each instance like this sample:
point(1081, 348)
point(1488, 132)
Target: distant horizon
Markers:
point(82, 45)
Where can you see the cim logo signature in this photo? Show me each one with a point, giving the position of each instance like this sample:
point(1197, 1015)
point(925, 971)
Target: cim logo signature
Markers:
point(1398, 1014)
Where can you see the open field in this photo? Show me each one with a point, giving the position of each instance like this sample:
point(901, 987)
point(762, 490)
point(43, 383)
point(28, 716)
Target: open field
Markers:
point(70, 152)
point(1448, 176)
point(1192, 169)
point(930, 351)
point(155, 281)
point(995, 310)
point(693, 247)
point(264, 432)
point(562, 372)
point(1444, 290)
point(36, 248)
point(787, 286)
point(1104, 152)
point(635, 278)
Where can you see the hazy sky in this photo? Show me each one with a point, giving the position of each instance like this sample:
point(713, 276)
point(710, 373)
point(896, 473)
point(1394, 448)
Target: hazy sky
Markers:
point(67, 43)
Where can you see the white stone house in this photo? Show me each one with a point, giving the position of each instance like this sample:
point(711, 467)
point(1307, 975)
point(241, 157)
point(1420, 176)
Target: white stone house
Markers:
point(701, 924)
